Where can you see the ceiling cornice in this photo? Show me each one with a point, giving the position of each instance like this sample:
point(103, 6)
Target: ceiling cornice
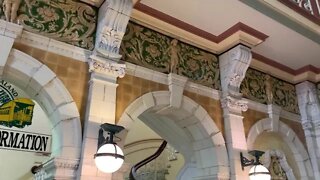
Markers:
point(294, 76)
point(199, 32)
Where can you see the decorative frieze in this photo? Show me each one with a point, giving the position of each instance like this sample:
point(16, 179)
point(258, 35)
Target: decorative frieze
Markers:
point(261, 87)
point(68, 21)
point(150, 49)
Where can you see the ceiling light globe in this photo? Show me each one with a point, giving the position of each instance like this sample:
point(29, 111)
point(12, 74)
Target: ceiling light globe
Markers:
point(259, 172)
point(109, 158)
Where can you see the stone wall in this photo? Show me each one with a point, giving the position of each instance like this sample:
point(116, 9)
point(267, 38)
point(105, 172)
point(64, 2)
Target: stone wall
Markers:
point(212, 106)
point(73, 73)
point(130, 88)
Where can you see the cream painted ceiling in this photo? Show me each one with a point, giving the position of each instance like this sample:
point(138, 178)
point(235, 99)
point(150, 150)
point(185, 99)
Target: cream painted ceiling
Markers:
point(284, 45)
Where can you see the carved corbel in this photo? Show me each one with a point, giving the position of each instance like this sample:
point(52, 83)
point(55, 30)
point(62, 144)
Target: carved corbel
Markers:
point(233, 65)
point(112, 22)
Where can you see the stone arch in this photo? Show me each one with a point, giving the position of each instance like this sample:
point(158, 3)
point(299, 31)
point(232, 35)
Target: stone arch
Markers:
point(283, 162)
point(189, 129)
point(289, 136)
point(42, 85)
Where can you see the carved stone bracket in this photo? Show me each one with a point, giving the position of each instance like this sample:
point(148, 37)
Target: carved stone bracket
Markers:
point(52, 169)
point(112, 22)
point(233, 65)
point(110, 68)
point(234, 103)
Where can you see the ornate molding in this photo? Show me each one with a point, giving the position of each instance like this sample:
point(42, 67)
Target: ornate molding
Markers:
point(113, 18)
point(316, 124)
point(100, 65)
point(306, 125)
point(52, 168)
point(234, 103)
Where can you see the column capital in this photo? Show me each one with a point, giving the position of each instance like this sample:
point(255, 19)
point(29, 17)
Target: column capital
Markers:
point(316, 124)
point(306, 125)
point(52, 169)
point(234, 103)
point(106, 69)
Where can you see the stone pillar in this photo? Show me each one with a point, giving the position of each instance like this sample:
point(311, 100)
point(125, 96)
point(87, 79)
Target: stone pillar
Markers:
point(274, 115)
point(310, 117)
point(8, 33)
point(105, 69)
point(233, 67)
point(101, 108)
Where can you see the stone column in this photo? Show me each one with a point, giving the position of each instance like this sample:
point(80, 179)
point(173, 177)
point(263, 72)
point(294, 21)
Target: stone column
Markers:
point(233, 67)
point(310, 117)
point(8, 33)
point(105, 69)
point(101, 108)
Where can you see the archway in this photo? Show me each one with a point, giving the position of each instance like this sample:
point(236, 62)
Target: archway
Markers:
point(189, 129)
point(298, 150)
point(42, 85)
point(282, 162)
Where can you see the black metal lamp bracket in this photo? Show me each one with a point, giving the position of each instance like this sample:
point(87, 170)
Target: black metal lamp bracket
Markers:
point(112, 129)
point(245, 162)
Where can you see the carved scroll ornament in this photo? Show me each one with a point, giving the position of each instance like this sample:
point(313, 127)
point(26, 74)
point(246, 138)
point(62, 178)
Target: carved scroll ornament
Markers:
point(234, 103)
point(111, 68)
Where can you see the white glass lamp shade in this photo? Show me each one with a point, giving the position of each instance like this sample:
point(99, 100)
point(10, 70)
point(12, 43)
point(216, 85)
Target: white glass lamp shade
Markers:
point(259, 172)
point(109, 158)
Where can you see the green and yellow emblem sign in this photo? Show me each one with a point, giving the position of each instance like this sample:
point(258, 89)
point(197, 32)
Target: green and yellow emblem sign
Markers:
point(14, 111)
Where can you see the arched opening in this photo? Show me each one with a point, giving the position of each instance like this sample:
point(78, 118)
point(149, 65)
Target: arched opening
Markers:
point(264, 137)
point(189, 129)
point(40, 84)
point(278, 165)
